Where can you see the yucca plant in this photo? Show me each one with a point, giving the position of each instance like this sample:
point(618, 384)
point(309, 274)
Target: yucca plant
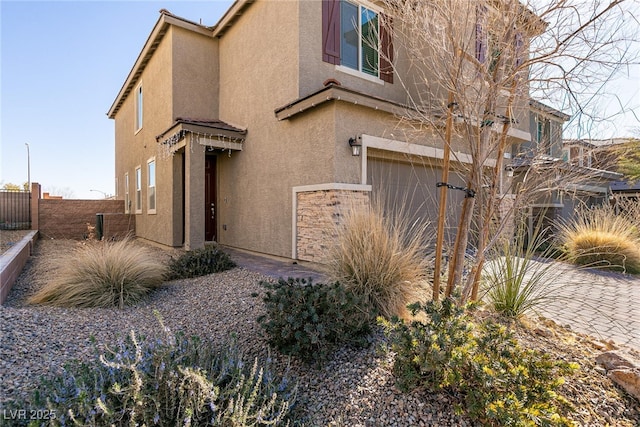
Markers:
point(602, 238)
point(103, 274)
point(518, 276)
point(381, 258)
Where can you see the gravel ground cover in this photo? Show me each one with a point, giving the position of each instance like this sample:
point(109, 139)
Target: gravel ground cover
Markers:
point(8, 238)
point(355, 388)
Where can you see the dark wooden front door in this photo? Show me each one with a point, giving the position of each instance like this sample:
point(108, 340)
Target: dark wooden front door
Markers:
point(210, 200)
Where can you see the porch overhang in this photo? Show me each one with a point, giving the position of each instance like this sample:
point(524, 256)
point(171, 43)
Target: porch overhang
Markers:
point(208, 133)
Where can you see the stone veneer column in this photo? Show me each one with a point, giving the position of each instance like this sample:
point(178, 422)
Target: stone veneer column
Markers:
point(319, 214)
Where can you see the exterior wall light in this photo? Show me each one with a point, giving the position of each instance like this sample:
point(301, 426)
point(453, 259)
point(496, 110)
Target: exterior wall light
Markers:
point(356, 145)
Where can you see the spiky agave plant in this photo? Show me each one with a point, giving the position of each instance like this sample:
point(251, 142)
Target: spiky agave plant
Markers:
point(520, 272)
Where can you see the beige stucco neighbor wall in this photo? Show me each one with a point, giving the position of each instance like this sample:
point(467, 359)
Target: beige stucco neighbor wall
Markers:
point(318, 217)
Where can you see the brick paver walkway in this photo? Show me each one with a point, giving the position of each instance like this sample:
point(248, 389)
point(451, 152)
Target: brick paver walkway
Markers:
point(601, 304)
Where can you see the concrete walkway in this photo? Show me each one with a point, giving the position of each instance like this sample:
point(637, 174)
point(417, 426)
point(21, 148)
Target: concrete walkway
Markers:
point(274, 267)
point(601, 304)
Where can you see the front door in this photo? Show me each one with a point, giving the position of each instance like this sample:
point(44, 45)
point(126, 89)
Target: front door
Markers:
point(210, 203)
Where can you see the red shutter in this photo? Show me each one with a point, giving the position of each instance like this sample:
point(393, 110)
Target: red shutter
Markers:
point(331, 31)
point(386, 50)
point(481, 42)
point(519, 49)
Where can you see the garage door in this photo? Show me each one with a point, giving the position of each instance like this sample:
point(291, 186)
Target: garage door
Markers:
point(410, 187)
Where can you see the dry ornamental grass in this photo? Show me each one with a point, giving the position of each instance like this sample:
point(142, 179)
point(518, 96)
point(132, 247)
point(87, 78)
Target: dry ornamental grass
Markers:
point(102, 274)
point(382, 259)
point(600, 237)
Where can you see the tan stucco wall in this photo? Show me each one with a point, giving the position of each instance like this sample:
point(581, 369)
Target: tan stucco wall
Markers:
point(134, 149)
point(255, 185)
point(179, 81)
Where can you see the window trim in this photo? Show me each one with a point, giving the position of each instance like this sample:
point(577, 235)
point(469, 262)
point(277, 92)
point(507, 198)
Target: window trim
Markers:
point(138, 193)
point(151, 210)
point(139, 109)
point(127, 199)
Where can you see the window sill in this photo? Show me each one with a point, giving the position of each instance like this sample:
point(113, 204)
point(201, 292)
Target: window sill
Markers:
point(138, 212)
point(359, 74)
point(151, 212)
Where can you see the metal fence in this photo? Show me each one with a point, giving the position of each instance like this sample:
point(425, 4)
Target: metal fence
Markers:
point(15, 210)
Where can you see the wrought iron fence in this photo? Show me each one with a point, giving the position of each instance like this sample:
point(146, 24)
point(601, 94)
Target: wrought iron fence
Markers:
point(15, 210)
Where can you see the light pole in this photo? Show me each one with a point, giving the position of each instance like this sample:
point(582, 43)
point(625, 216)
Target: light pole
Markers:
point(105, 194)
point(28, 167)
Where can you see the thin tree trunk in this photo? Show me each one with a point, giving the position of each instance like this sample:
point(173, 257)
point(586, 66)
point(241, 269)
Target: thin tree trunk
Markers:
point(443, 198)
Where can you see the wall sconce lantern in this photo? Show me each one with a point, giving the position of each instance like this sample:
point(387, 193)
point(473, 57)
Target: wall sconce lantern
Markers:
point(356, 145)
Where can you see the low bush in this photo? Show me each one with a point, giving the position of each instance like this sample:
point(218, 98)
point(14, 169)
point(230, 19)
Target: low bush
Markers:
point(199, 262)
point(499, 382)
point(102, 274)
point(174, 380)
point(309, 320)
point(382, 259)
point(600, 237)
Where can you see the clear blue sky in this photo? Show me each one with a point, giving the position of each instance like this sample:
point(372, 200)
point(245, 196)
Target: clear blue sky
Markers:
point(62, 65)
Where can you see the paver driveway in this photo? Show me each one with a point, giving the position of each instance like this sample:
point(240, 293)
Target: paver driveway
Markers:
point(602, 304)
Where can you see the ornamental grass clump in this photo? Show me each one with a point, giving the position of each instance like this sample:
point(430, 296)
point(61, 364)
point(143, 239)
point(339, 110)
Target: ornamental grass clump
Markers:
point(103, 274)
point(600, 237)
point(382, 259)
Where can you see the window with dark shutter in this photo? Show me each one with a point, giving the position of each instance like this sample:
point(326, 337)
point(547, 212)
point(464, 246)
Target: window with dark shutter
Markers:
point(347, 30)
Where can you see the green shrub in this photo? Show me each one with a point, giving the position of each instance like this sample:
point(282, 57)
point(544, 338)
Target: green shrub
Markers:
point(499, 382)
point(199, 262)
point(381, 258)
point(175, 381)
point(308, 320)
point(102, 274)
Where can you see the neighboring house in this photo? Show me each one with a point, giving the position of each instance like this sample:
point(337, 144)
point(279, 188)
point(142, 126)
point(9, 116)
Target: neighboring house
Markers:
point(598, 153)
point(242, 133)
point(545, 158)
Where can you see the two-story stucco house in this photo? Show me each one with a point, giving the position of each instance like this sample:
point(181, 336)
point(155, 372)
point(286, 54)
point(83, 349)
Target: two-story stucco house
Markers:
point(250, 132)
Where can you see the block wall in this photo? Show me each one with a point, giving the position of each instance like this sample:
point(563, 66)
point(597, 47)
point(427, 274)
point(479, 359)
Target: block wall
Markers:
point(318, 217)
point(71, 219)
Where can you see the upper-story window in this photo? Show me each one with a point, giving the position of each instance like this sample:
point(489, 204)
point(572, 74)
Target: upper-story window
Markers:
point(359, 38)
point(139, 109)
point(353, 35)
point(490, 47)
point(543, 136)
